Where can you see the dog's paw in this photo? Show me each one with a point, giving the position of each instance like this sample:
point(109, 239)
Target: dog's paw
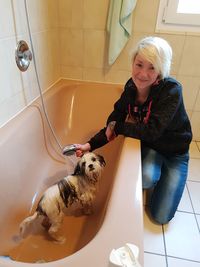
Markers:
point(60, 240)
point(46, 223)
point(88, 211)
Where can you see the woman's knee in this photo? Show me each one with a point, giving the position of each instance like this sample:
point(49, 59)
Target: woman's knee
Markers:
point(163, 205)
point(160, 217)
point(150, 175)
point(151, 168)
point(147, 181)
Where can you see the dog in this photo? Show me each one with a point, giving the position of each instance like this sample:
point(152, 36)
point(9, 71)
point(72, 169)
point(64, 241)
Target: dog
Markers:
point(79, 188)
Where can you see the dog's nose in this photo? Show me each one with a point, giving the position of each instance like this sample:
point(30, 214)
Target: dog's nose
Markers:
point(91, 166)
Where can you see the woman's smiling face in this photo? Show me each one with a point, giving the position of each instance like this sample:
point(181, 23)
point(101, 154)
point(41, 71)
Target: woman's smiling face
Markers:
point(143, 73)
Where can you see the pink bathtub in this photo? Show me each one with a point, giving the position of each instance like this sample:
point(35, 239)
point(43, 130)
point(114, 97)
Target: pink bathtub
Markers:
point(30, 161)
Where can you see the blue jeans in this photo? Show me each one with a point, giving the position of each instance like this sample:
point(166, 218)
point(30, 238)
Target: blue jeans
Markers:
point(167, 176)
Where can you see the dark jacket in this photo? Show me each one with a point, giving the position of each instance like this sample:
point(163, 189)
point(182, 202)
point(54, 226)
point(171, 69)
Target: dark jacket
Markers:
point(161, 123)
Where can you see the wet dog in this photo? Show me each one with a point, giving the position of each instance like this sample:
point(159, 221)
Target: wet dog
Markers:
point(79, 188)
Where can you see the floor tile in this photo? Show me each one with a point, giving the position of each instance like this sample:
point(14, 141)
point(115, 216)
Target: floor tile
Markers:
point(185, 203)
point(182, 234)
point(172, 262)
point(144, 197)
point(194, 170)
point(194, 190)
point(147, 196)
point(198, 144)
point(194, 150)
point(182, 237)
point(152, 260)
point(153, 237)
point(198, 220)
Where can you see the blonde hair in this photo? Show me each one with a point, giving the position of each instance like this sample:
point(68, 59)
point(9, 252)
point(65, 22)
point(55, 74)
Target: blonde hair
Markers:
point(157, 51)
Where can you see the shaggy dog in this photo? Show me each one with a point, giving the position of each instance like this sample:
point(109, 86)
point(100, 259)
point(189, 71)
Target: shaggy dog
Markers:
point(79, 188)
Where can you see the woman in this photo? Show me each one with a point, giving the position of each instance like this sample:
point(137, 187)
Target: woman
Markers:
point(151, 109)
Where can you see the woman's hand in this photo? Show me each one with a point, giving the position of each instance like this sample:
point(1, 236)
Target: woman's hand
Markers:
point(110, 134)
point(81, 149)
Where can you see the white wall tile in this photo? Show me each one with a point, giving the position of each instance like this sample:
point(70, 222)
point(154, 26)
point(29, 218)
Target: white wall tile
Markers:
point(38, 15)
point(43, 18)
point(96, 19)
point(195, 121)
point(190, 90)
point(10, 107)
point(7, 23)
point(72, 72)
point(190, 57)
point(197, 104)
point(144, 16)
point(19, 17)
point(94, 48)
point(30, 85)
point(10, 82)
point(71, 47)
point(117, 76)
point(71, 14)
point(93, 74)
point(177, 44)
point(194, 150)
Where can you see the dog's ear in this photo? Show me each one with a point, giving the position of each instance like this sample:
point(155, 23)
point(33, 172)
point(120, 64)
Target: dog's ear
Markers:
point(101, 160)
point(78, 170)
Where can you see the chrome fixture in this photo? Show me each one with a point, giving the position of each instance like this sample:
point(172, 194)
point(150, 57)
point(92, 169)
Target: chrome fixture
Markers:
point(23, 55)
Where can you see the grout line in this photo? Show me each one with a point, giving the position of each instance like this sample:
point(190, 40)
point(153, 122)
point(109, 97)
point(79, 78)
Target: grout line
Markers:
point(178, 258)
point(193, 181)
point(188, 212)
point(182, 211)
point(168, 256)
point(198, 148)
point(163, 233)
point(196, 142)
point(154, 253)
point(165, 247)
point(157, 254)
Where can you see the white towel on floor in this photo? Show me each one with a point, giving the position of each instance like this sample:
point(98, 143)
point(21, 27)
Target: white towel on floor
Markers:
point(119, 26)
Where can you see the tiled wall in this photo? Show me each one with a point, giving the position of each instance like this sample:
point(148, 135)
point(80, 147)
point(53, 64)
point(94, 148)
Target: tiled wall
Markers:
point(70, 41)
point(18, 89)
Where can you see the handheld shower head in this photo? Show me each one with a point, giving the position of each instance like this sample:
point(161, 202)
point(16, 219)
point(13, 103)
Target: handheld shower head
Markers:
point(69, 150)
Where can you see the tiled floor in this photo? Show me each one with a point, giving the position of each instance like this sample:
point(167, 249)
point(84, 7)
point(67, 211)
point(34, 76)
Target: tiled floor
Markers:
point(177, 244)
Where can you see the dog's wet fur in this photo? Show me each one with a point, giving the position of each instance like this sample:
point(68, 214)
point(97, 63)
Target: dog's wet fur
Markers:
point(78, 190)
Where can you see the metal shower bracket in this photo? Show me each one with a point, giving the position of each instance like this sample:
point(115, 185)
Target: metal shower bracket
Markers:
point(23, 55)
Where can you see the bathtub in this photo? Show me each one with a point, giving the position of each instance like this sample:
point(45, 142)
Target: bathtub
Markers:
point(31, 160)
